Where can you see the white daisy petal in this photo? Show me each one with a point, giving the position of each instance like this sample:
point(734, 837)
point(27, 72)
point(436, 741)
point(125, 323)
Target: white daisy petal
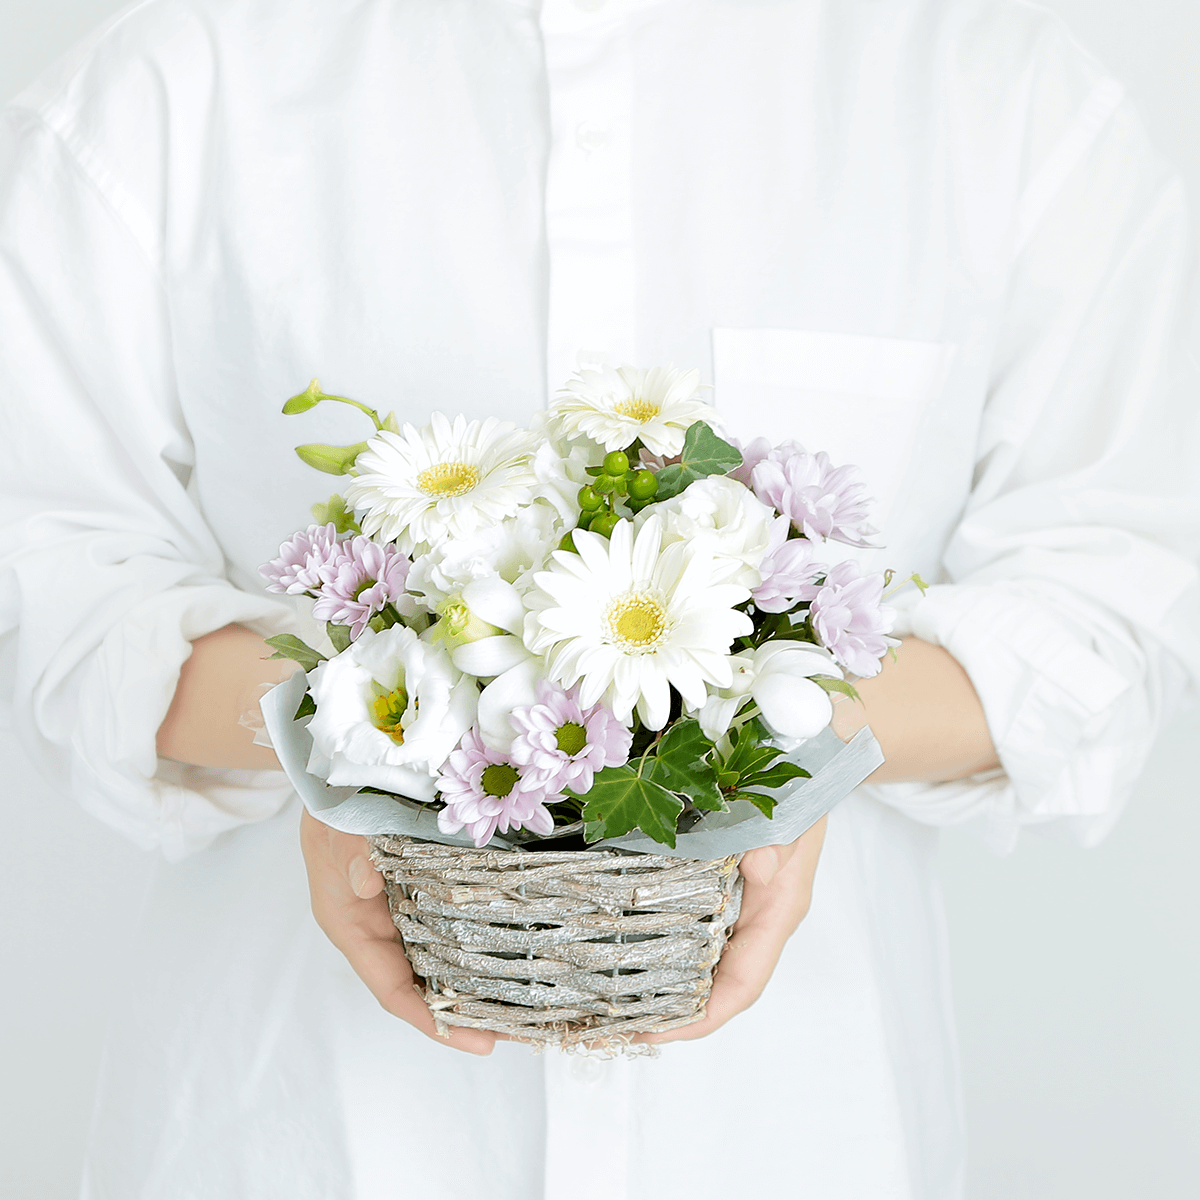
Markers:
point(421, 486)
point(615, 407)
point(628, 620)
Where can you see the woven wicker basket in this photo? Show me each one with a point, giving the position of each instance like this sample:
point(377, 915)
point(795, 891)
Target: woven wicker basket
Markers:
point(563, 948)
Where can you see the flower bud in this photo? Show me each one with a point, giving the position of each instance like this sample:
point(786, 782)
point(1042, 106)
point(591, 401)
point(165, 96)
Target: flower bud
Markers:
point(333, 460)
point(309, 398)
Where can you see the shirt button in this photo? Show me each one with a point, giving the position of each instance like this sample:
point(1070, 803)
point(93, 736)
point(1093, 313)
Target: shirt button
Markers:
point(586, 1069)
point(589, 136)
point(590, 5)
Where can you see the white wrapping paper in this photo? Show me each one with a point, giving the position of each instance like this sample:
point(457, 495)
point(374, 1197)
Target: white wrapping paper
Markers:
point(836, 767)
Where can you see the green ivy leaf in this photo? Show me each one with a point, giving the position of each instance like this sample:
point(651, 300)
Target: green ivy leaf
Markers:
point(308, 706)
point(288, 645)
point(680, 765)
point(625, 801)
point(339, 635)
point(333, 460)
point(703, 454)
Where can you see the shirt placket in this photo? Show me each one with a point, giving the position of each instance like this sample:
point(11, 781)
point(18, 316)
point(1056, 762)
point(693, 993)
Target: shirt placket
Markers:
point(590, 316)
point(588, 1126)
point(589, 186)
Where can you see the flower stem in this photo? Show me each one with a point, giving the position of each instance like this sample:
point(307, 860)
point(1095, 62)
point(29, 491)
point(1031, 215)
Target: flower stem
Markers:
point(361, 407)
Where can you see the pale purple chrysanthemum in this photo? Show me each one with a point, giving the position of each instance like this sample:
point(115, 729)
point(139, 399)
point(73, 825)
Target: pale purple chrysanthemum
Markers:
point(851, 620)
point(304, 561)
point(752, 455)
point(484, 792)
point(789, 571)
point(564, 743)
point(821, 500)
point(363, 578)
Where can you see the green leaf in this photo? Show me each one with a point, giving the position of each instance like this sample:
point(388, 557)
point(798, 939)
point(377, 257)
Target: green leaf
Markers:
point(703, 454)
point(333, 460)
point(835, 685)
point(309, 398)
point(593, 831)
point(335, 512)
point(749, 754)
point(308, 706)
point(384, 620)
point(680, 765)
point(288, 645)
point(775, 776)
point(624, 801)
point(339, 635)
point(764, 804)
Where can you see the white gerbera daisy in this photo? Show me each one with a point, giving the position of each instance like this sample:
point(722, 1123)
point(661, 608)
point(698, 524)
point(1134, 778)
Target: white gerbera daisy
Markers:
point(422, 485)
point(615, 407)
point(631, 618)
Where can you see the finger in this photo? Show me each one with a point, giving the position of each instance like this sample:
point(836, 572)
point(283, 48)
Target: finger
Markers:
point(769, 916)
point(763, 864)
point(362, 929)
point(352, 854)
point(384, 968)
point(743, 972)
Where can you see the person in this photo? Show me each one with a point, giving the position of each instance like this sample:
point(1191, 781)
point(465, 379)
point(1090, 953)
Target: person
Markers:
point(927, 236)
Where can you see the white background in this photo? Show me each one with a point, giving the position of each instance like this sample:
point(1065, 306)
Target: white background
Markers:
point(1077, 974)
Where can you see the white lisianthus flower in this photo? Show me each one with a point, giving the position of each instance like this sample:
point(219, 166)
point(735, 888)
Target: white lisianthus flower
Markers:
point(628, 619)
point(511, 550)
point(730, 517)
point(778, 678)
point(560, 475)
point(615, 407)
point(443, 480)
point(390, 709)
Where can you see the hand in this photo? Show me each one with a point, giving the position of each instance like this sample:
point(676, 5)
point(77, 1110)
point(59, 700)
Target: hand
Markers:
point(778, 891)
point(349, 905)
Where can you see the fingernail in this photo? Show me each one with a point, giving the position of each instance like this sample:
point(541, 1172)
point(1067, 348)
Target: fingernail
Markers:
point(766, 864)
point(359, 873)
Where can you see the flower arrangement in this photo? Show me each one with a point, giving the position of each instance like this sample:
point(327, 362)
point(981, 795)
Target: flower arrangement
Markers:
point(615, 620)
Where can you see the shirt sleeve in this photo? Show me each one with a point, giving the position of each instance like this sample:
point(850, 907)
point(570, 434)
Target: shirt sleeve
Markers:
point(1072, 596)
point(108, 570)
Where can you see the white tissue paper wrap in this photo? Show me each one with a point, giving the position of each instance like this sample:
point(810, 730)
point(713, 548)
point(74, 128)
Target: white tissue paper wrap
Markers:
point(836, 769)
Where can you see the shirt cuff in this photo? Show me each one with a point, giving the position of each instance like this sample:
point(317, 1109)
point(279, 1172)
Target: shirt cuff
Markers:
point(124, 689)
point(1072, 728)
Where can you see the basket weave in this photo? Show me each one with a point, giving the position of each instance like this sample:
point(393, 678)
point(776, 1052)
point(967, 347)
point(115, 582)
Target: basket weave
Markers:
point(562, 948)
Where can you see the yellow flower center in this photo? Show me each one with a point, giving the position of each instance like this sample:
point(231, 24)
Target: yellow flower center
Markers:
point(448, 479)
point(388, 709)
point(637, 622)
point(638, 409)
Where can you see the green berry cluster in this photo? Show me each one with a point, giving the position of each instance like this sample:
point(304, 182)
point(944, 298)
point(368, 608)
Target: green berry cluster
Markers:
point(614, 483)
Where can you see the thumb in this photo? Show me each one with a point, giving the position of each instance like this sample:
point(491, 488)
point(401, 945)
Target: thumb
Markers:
point(350, 853)
point(763, 864)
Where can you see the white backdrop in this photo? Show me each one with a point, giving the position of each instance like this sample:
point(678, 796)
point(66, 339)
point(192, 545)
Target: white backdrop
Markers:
point(1076, 974)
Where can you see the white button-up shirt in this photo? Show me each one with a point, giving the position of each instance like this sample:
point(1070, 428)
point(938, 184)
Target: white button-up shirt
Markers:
point(927, 237)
